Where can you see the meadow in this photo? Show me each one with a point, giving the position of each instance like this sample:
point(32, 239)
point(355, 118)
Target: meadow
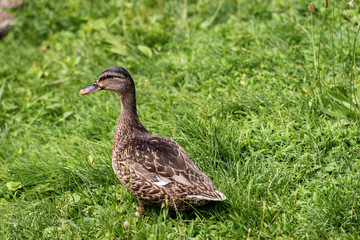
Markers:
point(261, 94)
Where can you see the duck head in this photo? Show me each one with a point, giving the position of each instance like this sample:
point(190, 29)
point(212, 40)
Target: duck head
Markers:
point(116, 79)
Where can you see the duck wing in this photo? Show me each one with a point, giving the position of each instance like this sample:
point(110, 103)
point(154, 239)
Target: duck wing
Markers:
point(165, 163)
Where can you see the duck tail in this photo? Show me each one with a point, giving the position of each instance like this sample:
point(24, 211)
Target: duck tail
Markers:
point(213, 196)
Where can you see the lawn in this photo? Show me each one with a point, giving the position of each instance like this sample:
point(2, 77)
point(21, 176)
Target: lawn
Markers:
point(242, 86)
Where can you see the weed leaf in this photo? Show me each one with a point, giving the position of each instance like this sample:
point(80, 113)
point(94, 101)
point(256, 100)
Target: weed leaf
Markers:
point(13, 186)
point(145, 50)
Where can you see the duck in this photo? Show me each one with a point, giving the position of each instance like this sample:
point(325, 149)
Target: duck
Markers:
point(154, 169)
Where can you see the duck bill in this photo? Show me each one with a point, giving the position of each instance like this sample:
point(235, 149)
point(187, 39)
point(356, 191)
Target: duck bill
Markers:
point(90, 89)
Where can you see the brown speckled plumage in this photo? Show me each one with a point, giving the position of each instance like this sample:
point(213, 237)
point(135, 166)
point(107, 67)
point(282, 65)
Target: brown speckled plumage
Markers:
point(154, 169)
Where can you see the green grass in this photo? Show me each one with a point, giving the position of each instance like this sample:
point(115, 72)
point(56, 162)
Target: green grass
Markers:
point(233, 82)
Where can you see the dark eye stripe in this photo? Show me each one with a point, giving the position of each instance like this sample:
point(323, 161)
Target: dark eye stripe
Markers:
point(109, 75)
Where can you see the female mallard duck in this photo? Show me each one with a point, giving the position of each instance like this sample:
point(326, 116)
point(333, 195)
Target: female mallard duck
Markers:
point(154, 169)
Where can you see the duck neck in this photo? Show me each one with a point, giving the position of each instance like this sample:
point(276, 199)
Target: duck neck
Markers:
point(129, 123)
point(128, 107)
